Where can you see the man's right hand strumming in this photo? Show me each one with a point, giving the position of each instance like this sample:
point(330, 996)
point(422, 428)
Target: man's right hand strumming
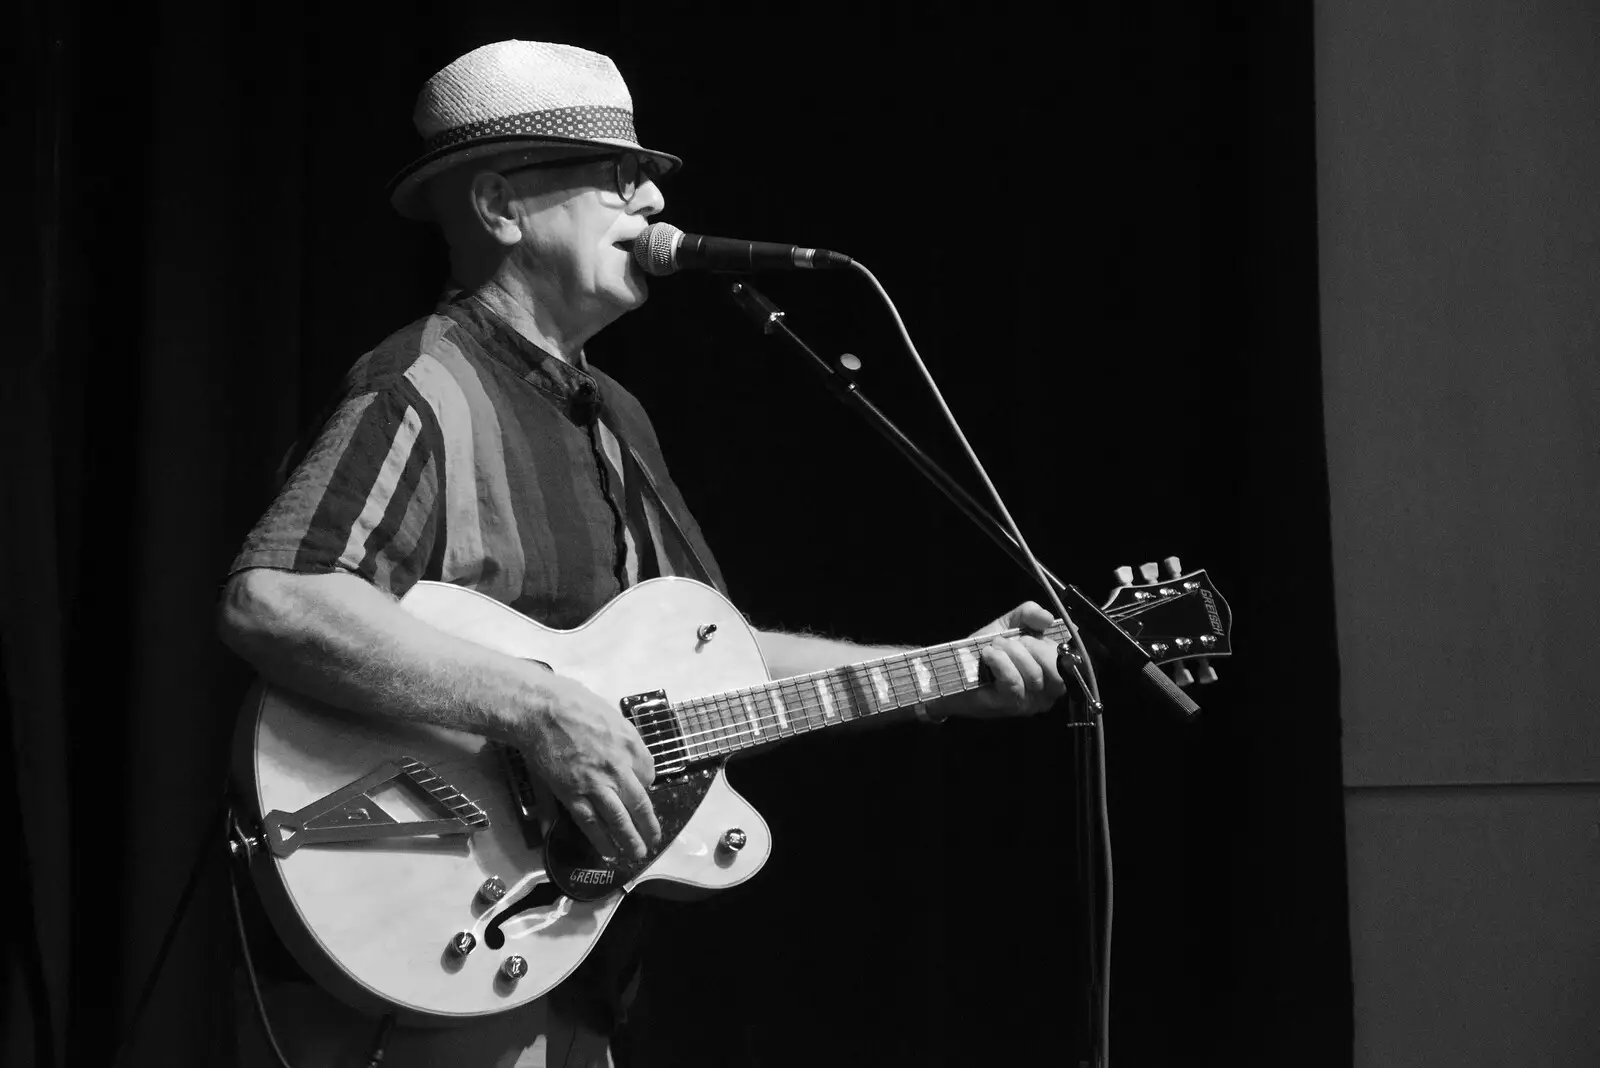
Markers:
point(596, 764)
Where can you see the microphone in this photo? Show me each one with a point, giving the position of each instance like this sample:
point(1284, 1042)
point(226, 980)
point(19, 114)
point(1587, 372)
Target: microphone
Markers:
point(662, 248)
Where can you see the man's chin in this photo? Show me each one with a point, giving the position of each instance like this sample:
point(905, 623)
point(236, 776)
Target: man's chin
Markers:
point(637, 290)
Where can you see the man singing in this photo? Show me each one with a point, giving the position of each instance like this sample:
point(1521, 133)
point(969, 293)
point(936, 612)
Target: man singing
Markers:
point(478, 446)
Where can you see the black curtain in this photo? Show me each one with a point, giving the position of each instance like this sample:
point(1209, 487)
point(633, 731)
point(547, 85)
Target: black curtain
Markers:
point(1101, 232)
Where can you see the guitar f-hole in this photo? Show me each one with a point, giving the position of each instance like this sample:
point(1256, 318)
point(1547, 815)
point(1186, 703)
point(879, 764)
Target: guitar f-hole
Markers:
point(541, 896)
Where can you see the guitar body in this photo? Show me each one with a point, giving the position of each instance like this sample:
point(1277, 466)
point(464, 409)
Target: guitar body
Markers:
point(408, 867)
point(372, 915)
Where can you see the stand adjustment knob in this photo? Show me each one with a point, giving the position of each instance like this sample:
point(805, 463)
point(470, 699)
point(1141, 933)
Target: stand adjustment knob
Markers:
point(513, 968)
point(733, 840)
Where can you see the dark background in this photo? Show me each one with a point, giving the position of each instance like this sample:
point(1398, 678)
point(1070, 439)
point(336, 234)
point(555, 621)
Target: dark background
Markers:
point(1101, 231)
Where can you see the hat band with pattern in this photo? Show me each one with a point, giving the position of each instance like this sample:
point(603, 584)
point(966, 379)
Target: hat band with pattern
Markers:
point(587, 122)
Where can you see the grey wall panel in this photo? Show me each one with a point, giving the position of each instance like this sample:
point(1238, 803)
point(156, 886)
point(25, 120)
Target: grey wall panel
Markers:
point(1459, 205)
point(1475, 921)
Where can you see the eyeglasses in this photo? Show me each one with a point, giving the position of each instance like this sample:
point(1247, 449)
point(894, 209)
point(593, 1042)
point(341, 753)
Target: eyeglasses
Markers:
point(628, 170)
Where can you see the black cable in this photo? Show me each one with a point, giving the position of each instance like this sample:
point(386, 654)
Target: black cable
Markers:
point(380, 1039)
point(375, 1058)
point(172, 932)
point(238, 835)
point(1105, 944)
point(244, 948)
point(1091, 684)
point(25, 934)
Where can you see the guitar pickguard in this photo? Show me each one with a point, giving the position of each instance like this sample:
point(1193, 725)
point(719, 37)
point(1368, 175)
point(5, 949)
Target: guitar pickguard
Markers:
point(584, 875)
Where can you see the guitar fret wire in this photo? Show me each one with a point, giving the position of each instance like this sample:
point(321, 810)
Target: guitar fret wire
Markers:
point(728, 722)
point(736, 739)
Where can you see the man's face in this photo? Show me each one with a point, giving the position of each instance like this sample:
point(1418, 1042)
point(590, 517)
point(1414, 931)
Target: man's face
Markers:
point(577, 233)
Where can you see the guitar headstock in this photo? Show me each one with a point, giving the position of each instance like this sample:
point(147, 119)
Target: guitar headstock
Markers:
point(1176, 620)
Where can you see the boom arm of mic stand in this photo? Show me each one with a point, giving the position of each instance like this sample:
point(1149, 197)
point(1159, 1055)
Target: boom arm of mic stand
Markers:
point(1120, 649)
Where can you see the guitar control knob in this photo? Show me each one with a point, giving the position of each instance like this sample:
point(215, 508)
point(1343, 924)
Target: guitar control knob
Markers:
point(733, 840)
point(493, 889)
point(513, 968)
point(462, 944)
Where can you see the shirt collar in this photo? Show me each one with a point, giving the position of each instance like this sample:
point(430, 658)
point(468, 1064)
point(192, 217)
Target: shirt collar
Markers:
point(568, 383)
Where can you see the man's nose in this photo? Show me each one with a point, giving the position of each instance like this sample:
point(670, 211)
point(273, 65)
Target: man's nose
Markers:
point(648, 198)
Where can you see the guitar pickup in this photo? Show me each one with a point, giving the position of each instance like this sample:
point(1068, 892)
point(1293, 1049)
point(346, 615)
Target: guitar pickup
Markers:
point(651, 715)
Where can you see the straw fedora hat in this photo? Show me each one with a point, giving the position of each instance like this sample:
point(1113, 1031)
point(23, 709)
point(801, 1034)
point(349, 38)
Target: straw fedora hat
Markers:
point(515, 95)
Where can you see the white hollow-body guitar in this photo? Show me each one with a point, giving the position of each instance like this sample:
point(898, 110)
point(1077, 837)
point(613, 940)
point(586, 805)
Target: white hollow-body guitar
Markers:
point(408, 867)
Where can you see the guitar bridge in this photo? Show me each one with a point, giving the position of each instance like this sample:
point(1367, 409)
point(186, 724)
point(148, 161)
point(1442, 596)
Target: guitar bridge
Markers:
point(349, 814)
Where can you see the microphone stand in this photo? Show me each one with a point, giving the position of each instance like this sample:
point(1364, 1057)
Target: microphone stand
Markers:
point(1121, 650)
point(1108, 639)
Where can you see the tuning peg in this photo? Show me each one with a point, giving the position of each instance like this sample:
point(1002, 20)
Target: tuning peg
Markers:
point(1174, 569)
point(1181, 676)
point(1204, 672)
point(1124, 575)
point(1149, 571)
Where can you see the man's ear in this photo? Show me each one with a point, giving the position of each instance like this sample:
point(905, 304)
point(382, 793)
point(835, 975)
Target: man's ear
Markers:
point(492, 197)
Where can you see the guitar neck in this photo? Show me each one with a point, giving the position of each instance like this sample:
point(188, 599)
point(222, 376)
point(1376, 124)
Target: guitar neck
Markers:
point(726, 723)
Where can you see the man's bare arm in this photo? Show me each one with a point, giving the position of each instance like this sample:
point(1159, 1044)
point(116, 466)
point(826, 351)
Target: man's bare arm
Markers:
point(336, 638)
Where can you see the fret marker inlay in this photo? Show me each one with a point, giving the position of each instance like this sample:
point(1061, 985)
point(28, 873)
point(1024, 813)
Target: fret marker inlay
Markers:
point(750, 714)
point(969, 663)
point(827, 699)
point(881, 684)
point(783, 716)
point(924, 676)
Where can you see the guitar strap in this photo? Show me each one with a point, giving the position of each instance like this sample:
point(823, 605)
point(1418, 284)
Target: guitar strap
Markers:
point(706, 574)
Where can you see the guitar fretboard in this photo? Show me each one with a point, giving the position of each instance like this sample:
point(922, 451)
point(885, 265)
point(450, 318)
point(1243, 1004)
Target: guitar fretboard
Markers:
point(725, 723)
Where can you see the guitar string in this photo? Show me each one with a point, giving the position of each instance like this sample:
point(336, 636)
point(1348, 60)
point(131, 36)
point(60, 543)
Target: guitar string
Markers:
point(806, 714)
point(948, 677)
point(803, 713)
point(948, 674)
point(803, 707)
point(799, 690)
point(1139, 608)
point(727, 722)
point(727, 731)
